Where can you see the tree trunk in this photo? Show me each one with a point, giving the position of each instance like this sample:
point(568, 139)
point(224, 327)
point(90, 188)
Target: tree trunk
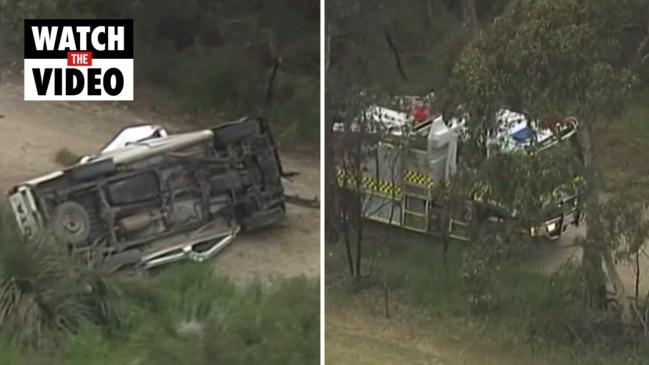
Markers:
point(359, 239)
point(641, 51)
point(469, 13)
point(347, 238)
point(397, 56)
point(594, 277)
point(626, 312)
point(600, 268)
point(327, 55)
point(592, 256)
point(636, 292)
point(332, 200)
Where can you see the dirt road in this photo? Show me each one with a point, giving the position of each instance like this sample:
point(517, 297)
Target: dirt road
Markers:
point(31, 133)
point(554, 254)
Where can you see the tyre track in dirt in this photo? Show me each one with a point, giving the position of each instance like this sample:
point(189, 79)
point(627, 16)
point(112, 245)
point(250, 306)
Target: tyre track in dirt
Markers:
point(31, 133)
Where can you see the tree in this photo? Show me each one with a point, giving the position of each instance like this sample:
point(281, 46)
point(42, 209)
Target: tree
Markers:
point(637, 28)
point(550, 59)
point(625, 229)
point(349, 152)
point(469, 13)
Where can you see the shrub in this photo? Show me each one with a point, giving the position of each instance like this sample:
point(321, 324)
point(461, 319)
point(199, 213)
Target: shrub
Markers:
point(73, 313)
point(45, 293)
point(213, 63)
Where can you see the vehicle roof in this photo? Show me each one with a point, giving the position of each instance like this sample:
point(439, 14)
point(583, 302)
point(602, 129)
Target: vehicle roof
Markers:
point(516, 131)
point(133, 152)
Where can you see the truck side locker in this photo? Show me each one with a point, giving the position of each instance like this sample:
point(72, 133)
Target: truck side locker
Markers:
point(437, 218)
point(460, 220)
point(417, 191)
point(415, 213)
point(382, 185)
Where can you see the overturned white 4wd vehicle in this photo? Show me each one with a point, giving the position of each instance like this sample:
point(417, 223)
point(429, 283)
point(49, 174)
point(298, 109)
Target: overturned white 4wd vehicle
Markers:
point(151, 198)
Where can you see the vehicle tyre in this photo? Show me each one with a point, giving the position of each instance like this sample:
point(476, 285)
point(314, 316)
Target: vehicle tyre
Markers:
point(71, 223)
point(264, 219)
point(235, 132)
point(269, 169)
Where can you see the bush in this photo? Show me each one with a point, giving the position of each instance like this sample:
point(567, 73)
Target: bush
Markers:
point(529, 308)
point(46, 294)
point(72, 313)
point(212, 58)
point(222, 81)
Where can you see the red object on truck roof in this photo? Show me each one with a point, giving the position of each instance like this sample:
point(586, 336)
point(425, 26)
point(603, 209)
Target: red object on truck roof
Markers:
point(420, 114)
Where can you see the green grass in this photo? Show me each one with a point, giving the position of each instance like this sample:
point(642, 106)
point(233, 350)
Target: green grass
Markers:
point(352, 334)
point(223, 323)
point(184, 314)
point(204, 321)
point(530, 309)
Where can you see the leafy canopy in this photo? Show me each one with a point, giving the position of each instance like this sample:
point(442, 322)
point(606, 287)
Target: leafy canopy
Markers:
point(547, 56)
point(548, 59)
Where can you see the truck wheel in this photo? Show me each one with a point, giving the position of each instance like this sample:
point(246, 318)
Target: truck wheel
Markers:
point(71, 223)
point(236, 132)
point(269, 170)
point(264, 219)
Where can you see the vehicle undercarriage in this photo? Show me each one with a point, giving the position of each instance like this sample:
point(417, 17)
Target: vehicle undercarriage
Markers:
point(164, 199)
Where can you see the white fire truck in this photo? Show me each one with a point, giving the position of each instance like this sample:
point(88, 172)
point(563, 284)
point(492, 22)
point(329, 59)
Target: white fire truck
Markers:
point(418, 151)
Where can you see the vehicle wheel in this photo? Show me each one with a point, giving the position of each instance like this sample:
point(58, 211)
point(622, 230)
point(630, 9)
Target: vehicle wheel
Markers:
point(123, 260)
point(235, 132)
point(269, 170)
point(264, 219)
point(71, 223)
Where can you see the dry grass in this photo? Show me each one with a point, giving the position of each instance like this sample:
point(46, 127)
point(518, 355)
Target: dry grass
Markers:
point(65, 157)
point(621, 145)
point(354, 336)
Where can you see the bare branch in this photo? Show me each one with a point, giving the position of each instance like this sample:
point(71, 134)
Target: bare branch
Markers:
point(397, 56)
